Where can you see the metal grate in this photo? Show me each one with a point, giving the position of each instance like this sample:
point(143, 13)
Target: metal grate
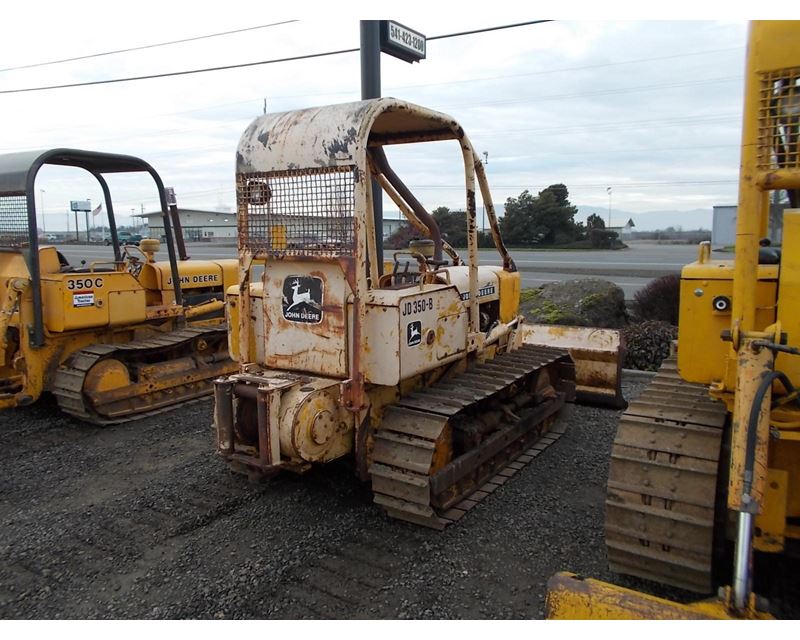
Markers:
point(297, 212)
point(779, 120)
point(14, 221)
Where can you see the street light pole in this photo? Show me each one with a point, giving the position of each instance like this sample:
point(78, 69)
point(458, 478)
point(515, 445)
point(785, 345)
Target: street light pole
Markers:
point(608, 190)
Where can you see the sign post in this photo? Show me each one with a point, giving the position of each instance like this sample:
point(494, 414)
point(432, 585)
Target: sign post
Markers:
point(86, 207)
point(401, 42)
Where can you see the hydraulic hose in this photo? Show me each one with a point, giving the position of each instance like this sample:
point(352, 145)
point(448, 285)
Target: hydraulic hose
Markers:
point(752, 423)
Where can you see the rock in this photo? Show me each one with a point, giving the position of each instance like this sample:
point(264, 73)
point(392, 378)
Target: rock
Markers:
point(590, 302)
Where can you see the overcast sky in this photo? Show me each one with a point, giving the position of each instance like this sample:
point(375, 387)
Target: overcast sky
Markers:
point(650, 109)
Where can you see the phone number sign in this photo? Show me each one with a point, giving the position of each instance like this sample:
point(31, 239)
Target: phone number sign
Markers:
point(401, 42)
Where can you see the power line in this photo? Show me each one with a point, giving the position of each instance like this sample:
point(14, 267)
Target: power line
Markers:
point(474, 31)
point(244, 64)
point(179, 73)
point(146, 46)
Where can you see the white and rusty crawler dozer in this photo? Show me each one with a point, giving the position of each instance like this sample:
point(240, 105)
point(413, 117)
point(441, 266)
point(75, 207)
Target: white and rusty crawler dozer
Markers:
point(419, 367)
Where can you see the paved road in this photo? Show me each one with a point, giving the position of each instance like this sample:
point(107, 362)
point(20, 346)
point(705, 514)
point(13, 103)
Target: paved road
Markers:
point(631, 268)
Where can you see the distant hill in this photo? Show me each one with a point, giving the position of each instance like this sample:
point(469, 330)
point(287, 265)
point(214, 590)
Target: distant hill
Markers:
point(651, 220)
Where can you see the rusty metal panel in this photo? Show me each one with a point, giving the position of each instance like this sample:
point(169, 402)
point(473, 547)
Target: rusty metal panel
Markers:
point(304, 318)
point(335, 135)
point(412, 330)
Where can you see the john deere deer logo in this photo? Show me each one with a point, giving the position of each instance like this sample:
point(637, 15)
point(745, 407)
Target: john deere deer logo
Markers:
point(414, 333)
point(302, 299)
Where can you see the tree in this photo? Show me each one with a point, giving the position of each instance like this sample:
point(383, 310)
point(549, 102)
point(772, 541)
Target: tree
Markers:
point(595, 222)
point(547, 218)
point(404, 234)
point(452, 225)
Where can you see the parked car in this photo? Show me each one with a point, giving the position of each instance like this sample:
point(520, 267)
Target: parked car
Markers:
point(125, 237)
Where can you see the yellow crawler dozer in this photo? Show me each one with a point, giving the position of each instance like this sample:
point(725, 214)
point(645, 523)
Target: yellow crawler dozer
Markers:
point(114, 340)
point(705, 467)
point(419, 367)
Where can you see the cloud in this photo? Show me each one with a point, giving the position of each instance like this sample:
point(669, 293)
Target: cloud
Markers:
point(652, 109)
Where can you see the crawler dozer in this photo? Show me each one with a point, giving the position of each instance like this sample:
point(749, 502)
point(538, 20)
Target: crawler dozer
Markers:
point(705, 467)
point(419, 366)
point(115, 340)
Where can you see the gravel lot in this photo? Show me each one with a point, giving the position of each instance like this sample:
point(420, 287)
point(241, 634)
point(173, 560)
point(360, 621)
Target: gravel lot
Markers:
point(144, 521)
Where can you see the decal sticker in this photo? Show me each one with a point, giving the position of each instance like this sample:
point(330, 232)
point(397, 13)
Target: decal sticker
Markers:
point(488, 290)
point(419, 305)
point(302, 299)
point(83, 299)
point(85, 283)
point(198, 279)
point(414, 333)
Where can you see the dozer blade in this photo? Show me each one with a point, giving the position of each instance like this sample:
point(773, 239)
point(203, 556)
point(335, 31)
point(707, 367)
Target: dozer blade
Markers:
point(597, 353)
point(571, 597)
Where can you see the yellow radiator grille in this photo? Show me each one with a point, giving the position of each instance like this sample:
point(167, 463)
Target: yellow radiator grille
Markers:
point(779, 120)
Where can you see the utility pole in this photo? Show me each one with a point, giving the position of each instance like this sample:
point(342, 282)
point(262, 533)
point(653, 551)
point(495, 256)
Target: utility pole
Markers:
point(608, 191)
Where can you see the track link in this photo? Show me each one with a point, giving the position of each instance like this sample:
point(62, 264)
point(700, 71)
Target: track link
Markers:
point(415, 479)
point(69, 390)
point(662, 484)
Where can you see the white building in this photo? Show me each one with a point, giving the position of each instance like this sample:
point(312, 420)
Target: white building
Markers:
point(625, 231)
point(390, 225)
point(197, 225)
point(215, 226)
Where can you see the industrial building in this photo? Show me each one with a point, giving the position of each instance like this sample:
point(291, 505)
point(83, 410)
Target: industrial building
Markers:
point(220, 226)
point(198, 225)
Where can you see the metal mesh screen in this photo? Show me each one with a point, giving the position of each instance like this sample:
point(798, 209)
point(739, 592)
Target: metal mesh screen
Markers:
point(779, 120)
point(298, 212)
point(13, 221)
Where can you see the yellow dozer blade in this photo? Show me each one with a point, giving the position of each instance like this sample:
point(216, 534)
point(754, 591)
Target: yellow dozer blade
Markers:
point(571, 597)
point(598, 355)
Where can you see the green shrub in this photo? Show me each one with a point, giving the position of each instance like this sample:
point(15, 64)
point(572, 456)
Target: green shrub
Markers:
point(659, 299)
point(603, 239)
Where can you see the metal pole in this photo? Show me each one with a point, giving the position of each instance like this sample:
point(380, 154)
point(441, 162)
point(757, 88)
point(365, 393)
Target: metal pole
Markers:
point(609, 206)
point(371, 88)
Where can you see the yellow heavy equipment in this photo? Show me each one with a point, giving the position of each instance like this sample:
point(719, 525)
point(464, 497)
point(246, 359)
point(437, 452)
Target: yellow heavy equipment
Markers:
point(705, 467)
point(115, 340)
point(419, 367)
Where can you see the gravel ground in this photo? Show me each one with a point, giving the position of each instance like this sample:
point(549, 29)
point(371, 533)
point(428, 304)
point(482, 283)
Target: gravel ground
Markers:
point(144, 521)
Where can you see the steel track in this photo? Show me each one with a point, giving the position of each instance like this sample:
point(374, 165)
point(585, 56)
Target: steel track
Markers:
point(662, 484)
point(68, 386)
point(408, 478)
